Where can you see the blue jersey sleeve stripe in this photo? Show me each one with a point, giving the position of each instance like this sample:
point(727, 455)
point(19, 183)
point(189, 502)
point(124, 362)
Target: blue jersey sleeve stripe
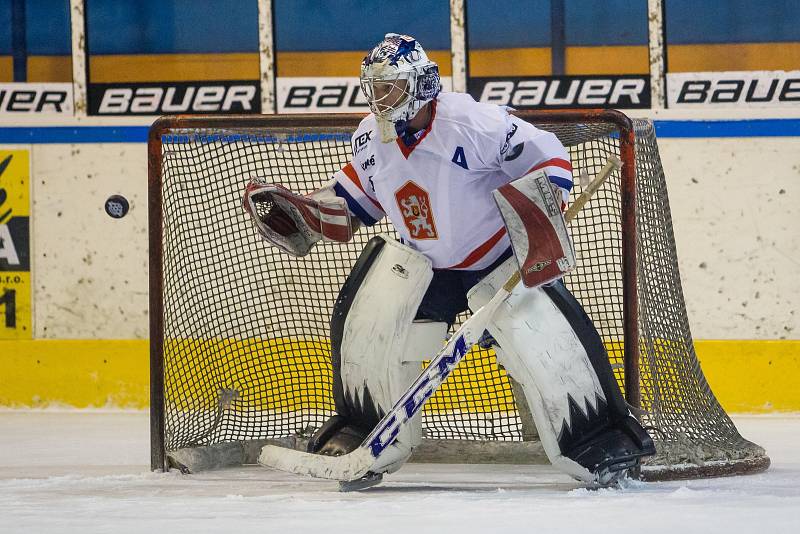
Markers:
point(563, 183)
point(354, 206)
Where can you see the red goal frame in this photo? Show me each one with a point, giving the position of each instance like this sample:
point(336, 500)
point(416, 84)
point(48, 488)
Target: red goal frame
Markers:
point(167, 124)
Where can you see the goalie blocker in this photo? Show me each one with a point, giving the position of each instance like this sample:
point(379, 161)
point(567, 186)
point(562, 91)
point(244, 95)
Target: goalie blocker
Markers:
point(545, 341)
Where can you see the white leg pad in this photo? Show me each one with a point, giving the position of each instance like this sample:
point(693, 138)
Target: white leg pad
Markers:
point(382, 345)
point(425, 340)
point(540, 349)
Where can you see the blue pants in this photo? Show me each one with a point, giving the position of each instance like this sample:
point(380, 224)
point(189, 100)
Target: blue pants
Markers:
point(446, 296)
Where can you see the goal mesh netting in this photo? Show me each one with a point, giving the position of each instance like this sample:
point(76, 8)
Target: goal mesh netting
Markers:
point(239, 330)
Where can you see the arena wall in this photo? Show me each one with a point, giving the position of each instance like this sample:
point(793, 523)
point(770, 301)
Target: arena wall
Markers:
point(720, 77)
point(734, 202)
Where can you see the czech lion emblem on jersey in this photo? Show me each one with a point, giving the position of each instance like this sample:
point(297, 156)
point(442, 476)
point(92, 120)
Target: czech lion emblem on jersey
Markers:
point(415, 206)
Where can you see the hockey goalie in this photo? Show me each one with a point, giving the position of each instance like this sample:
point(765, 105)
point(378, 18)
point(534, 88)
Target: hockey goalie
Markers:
point(430, 162)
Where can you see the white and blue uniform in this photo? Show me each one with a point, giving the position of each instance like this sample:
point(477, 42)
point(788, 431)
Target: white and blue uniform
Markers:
point(437, 190)
point(435, 186)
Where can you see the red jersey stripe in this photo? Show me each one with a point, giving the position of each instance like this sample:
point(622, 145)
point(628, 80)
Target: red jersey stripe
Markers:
point(481, 251)
point(353, 175)
point(555, 162)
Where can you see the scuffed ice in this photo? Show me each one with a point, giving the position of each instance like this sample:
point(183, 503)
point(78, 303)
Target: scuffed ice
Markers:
point(87, 471)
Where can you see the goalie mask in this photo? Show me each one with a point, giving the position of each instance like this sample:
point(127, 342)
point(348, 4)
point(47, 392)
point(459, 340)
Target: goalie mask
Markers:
point(398, 79)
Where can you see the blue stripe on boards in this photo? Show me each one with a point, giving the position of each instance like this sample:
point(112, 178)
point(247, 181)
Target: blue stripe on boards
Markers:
point(138, 134)
point(27, 135)
point(354, 206)
point(729, 128)
point(73, 134)
point(253, 138)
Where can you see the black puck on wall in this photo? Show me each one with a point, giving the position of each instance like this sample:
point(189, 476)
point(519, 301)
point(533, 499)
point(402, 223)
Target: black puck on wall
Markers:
point(117, 206)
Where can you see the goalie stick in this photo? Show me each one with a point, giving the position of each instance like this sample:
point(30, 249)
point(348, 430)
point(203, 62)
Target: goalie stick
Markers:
point(356, 464)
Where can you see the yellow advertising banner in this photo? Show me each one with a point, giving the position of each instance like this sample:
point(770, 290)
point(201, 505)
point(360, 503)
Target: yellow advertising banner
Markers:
point(15, 245)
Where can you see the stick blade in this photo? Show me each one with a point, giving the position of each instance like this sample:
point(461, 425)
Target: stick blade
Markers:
point(351, 466)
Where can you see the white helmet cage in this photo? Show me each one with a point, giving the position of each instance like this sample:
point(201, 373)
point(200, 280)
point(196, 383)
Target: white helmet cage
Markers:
point(398, 79)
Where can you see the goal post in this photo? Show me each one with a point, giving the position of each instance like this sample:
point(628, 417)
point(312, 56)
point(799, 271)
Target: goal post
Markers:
point(239, 330)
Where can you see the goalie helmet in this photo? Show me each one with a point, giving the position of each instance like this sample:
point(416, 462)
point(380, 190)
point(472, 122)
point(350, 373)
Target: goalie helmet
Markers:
point(398, 79)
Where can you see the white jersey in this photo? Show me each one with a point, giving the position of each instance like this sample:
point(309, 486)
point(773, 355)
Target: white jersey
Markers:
point(438, 192)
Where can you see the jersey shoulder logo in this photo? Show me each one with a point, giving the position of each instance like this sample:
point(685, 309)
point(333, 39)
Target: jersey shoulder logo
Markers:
point(415, 206)
point(360, 142)
point(459, 158)
point(515, 151)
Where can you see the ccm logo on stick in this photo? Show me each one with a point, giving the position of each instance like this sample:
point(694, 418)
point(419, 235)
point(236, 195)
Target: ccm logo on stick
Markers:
point(413, 401)
point(561, 92)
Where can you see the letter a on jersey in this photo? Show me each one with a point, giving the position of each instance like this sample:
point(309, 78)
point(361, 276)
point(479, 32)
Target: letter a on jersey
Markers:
point(415, 206)
point(459, 158)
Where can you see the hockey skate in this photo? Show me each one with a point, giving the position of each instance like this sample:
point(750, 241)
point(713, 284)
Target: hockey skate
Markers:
point(614, 453)
point(335, 438)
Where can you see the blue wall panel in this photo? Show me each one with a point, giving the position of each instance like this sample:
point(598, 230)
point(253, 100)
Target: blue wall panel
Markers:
point(47, 27)
point(526, 23)
point(508, 24)
point(5, 24)
point(209, 26)
point(172, 26)
point(732, 21)
point(611, 22)
point(308, 25)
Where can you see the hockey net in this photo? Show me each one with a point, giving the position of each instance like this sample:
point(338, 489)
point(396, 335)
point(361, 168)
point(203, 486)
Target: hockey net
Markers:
point(239, 330)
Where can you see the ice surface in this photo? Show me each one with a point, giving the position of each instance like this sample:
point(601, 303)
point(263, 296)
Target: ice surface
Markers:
point(87, 471)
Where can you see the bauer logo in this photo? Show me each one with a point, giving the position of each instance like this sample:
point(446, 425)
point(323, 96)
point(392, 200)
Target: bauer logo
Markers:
point(35, 98)
point(734, 89)
point(170, 98)
point(624, 92)
point(324, 95)
point(302, 95)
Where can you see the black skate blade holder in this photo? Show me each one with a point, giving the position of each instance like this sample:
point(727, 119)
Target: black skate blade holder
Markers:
point(367, 481)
